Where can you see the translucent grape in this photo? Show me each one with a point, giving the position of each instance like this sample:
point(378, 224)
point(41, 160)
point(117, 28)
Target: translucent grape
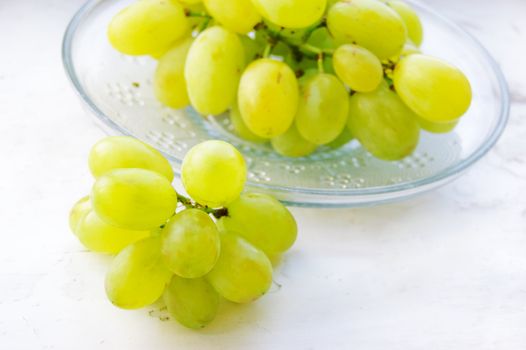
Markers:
point(435, 90)
point(240, 128)
point(263, 221)
point(370, 24)
point(118, 152)
point(268, 97)
point(147, 27)
point(344, 138)
point(412, 22)
point(358, 68)
point(291, 13)
point(213, 68)
point(137, 276)
point(214, 173)
point(190, 243)
point(383, 124)
point(169, 82)
point(135, 199)
point(437, 128)
point(243, 273)
point(79, 210)
point(192, 302)
point(323, 109)
point(292, 144)
point(239, 16)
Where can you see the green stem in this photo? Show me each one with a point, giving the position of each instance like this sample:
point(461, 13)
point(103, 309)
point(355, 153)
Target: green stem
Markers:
point(189, 13)
point(190, 204)
point(268, 50)
point(204, 25)
point(320, 63)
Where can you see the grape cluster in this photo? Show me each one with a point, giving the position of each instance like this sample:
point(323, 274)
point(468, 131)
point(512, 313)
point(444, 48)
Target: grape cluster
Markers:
point(299, 73)
point(190, 252)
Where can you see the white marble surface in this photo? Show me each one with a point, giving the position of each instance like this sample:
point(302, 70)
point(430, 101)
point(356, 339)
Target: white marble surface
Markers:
point(443, 271)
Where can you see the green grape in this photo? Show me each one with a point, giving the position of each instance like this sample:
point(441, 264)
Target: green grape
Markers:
point(331, 2)
point(344, 138)
point(79, 210)
point(169, 83)
point(240, 128)
point(435, 90)
point(192, 302)
point(214, 173)
point(437, 128)
point(412, 22)
point(147, 27)
point(383, 124)
point(292, 144)
point(321, 38)
point(263, 221)
point(268, 97)
point(98, 236)
point(135, 199)
point(370, 24)
point(137, 276)
point(243, 273)
point(118, 152)
point(358, 68)
point(239, 16)
point(252, 47)
point(323, 109)
point(190, 243)
point(291, 13)
point(213, 68)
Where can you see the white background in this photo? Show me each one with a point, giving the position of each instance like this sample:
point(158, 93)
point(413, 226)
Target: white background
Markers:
point(443, 271)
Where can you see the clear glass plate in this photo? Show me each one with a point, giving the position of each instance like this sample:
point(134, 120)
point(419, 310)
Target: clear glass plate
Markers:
point(117, 89)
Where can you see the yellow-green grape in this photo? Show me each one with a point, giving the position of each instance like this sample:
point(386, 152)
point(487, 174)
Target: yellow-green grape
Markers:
point(169, 83)
point(147, 27)
point(268, 97)
point(240, 128)
point(434, 89)
point(383, 124)
point(192, 302)
point(134, 199)
point(214, 173)
point(190, 243)
point(412, 22)
point(291, 13)
point(212, 71)
point(370, 24)
point(263, 221)
point(323, 109)
point(137, 275)
point(344, 138)
point(80, 209)
point(243, 273)
point(239, 16)
point(321, 38)
point(292, 144)
point(118, 152)
point(98, 236)
point(437, 128)
point(358, 68)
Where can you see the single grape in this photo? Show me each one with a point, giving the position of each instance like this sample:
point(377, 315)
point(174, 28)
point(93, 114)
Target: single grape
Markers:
point(323, 109)
point(214, 173)
point(437, 128)
point(147, 27)
point(292, 144)
point(291, 13)
point(383, 124)
point(190, 243)
point(119, 152)
point(243, 273)
point(239, 16)
point(240, 128)
point(212, 71)
point(435, 90)
point(321, 38)
point(134, 199)
point(263, 221)
point(80, 209)
point(169, 83)
point(98, 236)
point(370, 24)
point(412, 22)
point(137, 276)
point(268, 97)
point(192, 302)
point(344, 138)
point(358, 68)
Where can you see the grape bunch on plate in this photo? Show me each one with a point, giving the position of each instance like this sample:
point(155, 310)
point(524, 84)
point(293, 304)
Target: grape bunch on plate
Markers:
point(190, 252)
point(299, 73)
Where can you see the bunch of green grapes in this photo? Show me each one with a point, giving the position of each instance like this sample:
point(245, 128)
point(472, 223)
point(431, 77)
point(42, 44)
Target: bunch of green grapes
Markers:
point(293, 73)
point(190, 252)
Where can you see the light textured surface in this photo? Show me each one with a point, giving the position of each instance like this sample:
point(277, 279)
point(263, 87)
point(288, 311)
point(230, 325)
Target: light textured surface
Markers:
point(443, 271)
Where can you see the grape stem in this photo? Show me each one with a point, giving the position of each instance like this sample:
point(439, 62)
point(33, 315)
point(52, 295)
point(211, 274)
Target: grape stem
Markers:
point(189, 13)
point(190, 204)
